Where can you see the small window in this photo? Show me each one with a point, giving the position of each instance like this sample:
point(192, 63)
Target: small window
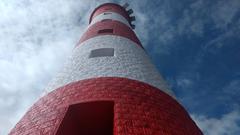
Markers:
point(105, 31)
point(103, 52)
point(107, 13)
point(105, 20)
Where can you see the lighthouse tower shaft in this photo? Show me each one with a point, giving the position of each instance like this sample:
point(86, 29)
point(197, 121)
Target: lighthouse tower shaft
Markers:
point(108, 87)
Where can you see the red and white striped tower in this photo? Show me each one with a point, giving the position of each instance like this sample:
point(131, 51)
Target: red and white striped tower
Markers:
point(108, 86)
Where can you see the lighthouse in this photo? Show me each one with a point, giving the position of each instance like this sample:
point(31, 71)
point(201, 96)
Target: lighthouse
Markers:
point(108, 86)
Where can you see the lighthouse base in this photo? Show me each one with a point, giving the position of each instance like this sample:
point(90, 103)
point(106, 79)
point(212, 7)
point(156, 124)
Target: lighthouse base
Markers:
point(107, 105)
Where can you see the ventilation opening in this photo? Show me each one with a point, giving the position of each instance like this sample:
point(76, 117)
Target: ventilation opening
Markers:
point(105, 31)
point(105, 20)
point(102, 52)
point(107, 13)
point(93, 118)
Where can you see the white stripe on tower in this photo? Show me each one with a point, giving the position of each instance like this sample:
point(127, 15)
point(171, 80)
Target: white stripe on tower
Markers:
point(109, 15)
point(129, 61)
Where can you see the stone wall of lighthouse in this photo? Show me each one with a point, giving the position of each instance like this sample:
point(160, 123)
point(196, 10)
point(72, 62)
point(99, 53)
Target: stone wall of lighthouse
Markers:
point(108, 86)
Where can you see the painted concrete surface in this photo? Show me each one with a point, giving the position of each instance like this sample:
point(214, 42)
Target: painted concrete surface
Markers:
point(129, 61)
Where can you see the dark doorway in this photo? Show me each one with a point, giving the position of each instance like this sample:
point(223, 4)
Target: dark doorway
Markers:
point(92, 118)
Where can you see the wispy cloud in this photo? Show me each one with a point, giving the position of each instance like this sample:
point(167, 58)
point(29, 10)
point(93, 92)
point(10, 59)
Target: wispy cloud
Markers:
point(228, 124)
point(186, 80)
point(232, 87)
point(230, 91)
point(224, 12)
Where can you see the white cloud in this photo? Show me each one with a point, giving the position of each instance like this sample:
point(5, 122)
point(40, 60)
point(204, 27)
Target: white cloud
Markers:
point(233, 87)
point(224, 11)
point(217, 43)
point(191, 23)
point(224, 17)
point(186, 80)
point(228, 124)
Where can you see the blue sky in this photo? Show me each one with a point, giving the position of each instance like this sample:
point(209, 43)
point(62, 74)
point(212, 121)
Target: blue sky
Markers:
point(201, 58)
point(193, 43)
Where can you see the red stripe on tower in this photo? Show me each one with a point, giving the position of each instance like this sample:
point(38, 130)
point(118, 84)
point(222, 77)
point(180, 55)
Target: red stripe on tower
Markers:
point(110, 27)
point(109, 7)
point(119, 106)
